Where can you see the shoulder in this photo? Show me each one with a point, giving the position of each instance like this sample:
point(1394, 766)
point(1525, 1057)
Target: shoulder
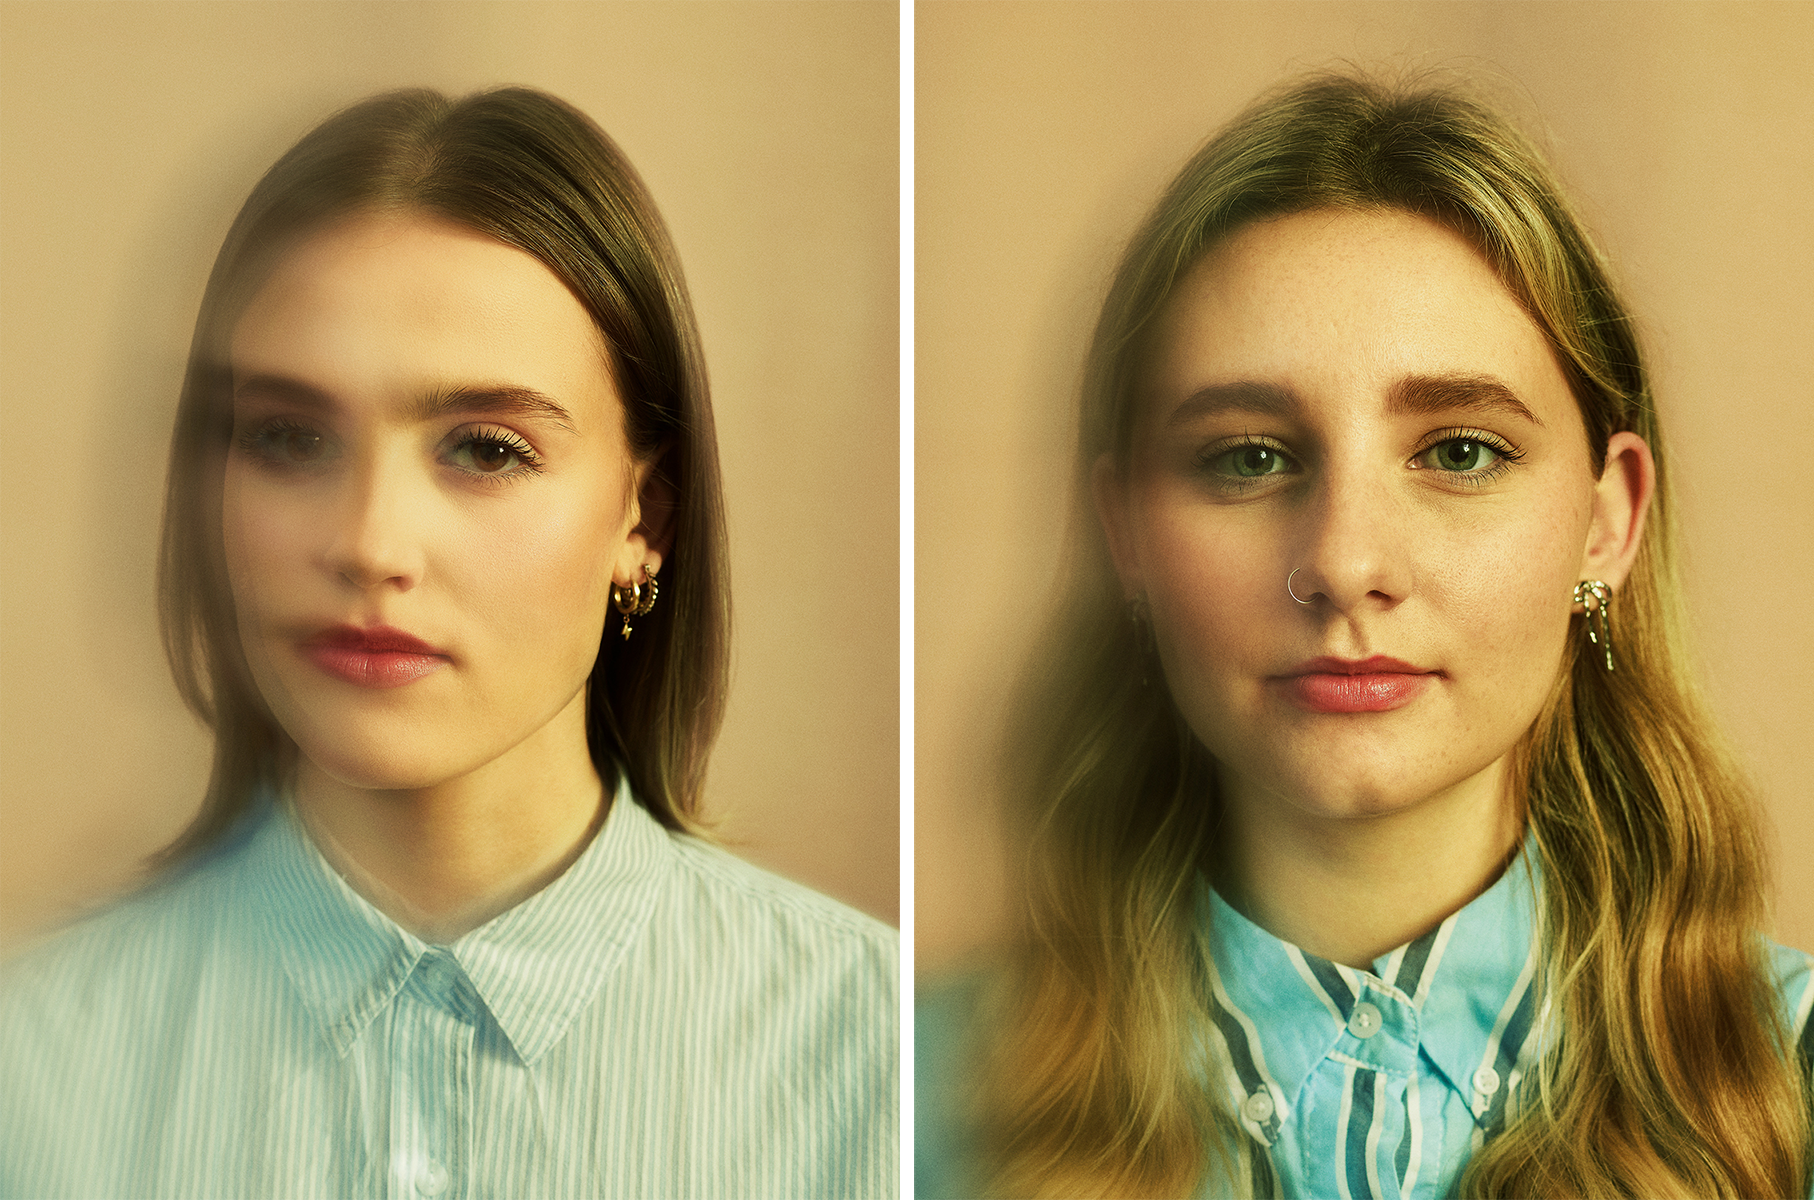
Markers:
point(742, 950)
point(945, 1018)
point(123, 956)
point(89, 1021)
point(734, 900)
point(1792, 972)
point(763, 943)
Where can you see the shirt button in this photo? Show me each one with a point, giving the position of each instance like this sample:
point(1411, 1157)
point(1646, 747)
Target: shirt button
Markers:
point(433, 1179)
point(1364, 1022)
point(1258, 1107)
point(1486, 1081)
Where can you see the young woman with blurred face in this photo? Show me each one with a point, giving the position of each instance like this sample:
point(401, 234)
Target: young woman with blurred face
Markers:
point(1378, 846)
point(444, 570)
point(428, 497)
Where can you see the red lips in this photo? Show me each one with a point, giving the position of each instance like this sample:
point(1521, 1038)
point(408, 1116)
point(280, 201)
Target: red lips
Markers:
point(376, 657)
point(1337, 685)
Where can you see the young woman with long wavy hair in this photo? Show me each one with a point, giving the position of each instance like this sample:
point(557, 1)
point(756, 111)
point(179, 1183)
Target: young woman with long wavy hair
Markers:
point(1380, 844)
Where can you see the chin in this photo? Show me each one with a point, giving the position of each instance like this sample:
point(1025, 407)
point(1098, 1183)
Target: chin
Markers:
point(387, 760)
point(382, 776)
point(1355, 782)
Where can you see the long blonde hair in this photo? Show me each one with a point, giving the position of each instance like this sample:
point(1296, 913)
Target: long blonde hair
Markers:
point(1670, 1075)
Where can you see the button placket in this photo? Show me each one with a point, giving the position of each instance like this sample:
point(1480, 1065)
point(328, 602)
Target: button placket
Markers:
point(1382, 1032)
point(432, 1179)
point(431, 1080)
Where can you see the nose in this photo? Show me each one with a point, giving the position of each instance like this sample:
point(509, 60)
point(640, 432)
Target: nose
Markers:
point(372, 536)
point(1354, 551)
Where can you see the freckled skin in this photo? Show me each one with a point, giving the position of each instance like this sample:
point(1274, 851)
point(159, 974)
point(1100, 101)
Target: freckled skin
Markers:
point(1399, 558)
point(510, 578)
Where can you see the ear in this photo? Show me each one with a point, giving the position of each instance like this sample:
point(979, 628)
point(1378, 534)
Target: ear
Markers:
point(1621, 503)
point(654, 502)
point(1109, 490)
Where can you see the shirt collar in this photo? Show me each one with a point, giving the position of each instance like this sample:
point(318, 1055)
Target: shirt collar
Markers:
point(535, 966)
point(1464, 989)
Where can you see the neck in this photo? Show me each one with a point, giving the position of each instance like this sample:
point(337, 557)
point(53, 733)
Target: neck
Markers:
point(443, 859)
point(1350, 888)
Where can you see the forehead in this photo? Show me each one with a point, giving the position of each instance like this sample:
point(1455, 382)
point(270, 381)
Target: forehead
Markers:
point(1339, 306)
point(390, 303)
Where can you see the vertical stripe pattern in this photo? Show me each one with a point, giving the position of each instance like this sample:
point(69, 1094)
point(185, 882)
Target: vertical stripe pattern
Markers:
point(1240, 1043)
point(1388, 1080)
point(663, 1020)
point(1390, 1105)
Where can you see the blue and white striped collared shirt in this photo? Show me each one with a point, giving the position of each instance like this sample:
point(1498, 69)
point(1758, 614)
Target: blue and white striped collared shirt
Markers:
point(1383, 1083)
point(1374, 1085)
point(1357, 1085)
point(662, 1020)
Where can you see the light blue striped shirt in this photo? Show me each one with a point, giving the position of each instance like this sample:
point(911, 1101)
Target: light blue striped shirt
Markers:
point(662, 1020)
point(1349, 1085)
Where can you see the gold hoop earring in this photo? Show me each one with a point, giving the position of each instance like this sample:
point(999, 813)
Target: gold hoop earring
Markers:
point(650, 590)
point(635, 599)
point(1595, 598)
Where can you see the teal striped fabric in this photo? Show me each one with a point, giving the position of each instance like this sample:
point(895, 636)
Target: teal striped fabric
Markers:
point(661, 1021)
point(1345, 1084)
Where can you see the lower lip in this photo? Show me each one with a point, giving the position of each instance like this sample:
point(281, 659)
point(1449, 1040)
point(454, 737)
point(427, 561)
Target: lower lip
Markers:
point(1381, 692)
point(373, 668)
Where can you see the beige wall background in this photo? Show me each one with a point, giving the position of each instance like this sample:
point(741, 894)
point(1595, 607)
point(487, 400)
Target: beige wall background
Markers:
point(129, 135)
point(1043, 132)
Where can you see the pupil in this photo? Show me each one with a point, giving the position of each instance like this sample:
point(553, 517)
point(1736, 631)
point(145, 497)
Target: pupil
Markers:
point(1254, 460)
point(490, 455)
point(1460, 454)
point(304, 446)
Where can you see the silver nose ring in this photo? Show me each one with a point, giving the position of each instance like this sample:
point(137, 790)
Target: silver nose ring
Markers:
point(1288, 590)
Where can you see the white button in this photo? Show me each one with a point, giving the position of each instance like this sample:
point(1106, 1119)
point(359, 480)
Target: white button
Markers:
point(1486, 1081)
point(1258, 1107)
point(1364, 1021)
point(433, 1179)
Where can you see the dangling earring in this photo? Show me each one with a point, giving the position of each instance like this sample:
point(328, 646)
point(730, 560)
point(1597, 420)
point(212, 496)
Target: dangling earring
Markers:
point(1595, 597)
point(635, 599)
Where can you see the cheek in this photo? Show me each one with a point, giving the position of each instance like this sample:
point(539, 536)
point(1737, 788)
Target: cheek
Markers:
point(263, 533)
point(545, 564)
point(1209, 583)
point(1507, 587)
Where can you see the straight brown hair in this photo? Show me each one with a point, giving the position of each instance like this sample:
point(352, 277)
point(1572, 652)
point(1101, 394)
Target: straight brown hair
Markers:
point(537, 174)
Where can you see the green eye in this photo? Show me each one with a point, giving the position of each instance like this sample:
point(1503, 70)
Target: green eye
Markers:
point(1461, 455)
point(1250, 462)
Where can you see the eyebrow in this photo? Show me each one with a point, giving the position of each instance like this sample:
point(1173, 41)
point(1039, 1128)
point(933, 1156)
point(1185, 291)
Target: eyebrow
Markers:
point(1423, 395)
point(499, 400)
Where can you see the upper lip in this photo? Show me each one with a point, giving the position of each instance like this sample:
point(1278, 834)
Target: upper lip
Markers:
point(1379, 664)
point(373, 638)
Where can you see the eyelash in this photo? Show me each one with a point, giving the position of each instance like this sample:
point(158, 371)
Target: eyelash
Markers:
point(531, 462)
point(1507, 457)
point(1206, 461)
point(261, 442)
